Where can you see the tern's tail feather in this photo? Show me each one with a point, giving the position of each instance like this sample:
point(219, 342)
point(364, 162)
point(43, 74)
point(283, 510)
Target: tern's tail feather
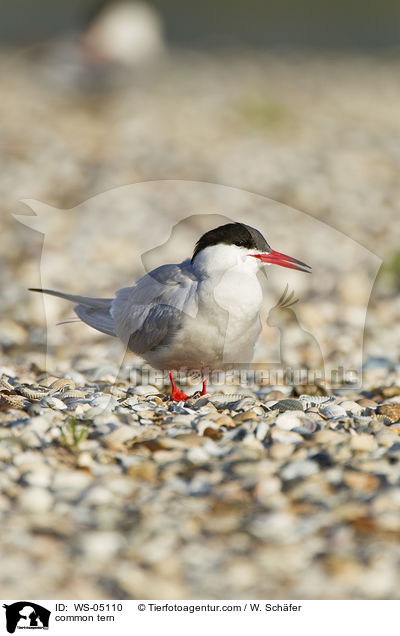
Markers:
point(94, 311)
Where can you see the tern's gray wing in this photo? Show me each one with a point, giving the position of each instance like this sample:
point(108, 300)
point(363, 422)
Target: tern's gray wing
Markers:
point(147, 315)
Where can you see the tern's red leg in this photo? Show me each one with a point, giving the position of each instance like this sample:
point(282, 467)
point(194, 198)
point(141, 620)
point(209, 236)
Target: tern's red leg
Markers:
point(176, 395)
point(204, 389)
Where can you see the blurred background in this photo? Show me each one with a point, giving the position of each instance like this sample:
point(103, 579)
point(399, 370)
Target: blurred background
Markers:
point(297, 103)
point(355, 24)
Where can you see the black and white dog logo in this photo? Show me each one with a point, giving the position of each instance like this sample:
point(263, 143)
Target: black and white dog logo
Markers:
point(26, 615)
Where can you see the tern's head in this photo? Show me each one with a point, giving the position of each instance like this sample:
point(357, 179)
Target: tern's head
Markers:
point(235, 243)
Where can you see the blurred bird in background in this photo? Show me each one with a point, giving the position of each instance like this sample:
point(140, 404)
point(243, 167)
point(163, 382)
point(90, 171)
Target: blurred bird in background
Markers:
point(125, 33)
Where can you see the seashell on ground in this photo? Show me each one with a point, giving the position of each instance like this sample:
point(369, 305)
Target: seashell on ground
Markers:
point(289, 404)
point(289, 420)
point(332, 411)
point(311, 400)
point(391, 411)
point(350, 407)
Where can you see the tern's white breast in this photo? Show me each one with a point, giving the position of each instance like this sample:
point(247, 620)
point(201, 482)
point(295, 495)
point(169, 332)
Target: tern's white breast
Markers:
point(225, 329)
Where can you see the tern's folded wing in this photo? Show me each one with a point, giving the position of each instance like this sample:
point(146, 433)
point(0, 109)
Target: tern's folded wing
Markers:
point(147, 315)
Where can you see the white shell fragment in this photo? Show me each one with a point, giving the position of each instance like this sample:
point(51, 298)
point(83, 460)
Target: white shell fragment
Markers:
point(332, 411)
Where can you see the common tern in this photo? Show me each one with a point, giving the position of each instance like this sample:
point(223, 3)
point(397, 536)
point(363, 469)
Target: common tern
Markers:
point(201, 315)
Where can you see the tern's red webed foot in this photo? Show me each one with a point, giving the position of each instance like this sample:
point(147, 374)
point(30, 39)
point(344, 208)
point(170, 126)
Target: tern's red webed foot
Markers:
point(176, 395)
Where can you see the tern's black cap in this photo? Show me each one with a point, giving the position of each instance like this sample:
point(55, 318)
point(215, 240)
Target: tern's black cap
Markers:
point(233, 234)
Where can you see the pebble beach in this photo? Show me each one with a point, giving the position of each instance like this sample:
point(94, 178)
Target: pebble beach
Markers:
point(108, 490)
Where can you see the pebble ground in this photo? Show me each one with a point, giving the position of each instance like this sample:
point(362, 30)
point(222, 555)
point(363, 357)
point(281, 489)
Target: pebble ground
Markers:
point(109, 490)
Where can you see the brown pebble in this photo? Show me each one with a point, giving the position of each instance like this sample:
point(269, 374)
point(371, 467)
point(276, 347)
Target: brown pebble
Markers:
point(146, 471)
point(281, 450)
point(326, 436)
point(375, 394)
point(367, 404)
point(345, 570)
point(363, 442)
point(351, 510)
point(390, 391)
point(302, 508)
point(190, 440)
point(275, 395)
point(225, 420)
point(214, 433)
point(361, 481)
point(170, 443)
point(242, 417)
point(313, 389)
point(364, 525)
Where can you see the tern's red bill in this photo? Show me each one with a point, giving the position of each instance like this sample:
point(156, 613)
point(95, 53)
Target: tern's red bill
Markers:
point(277, 258)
